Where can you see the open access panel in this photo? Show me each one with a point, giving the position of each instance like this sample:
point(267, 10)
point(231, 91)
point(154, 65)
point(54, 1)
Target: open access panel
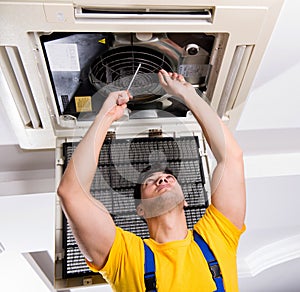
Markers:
point(119, 165)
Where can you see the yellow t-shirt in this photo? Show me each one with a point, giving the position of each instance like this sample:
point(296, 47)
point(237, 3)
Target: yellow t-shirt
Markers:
point(180, 265)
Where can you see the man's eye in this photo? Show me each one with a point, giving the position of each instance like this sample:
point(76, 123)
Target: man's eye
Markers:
point(149, 181)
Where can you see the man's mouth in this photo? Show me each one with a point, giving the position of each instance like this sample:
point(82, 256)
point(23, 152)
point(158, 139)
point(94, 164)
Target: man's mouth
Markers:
point(161, 187)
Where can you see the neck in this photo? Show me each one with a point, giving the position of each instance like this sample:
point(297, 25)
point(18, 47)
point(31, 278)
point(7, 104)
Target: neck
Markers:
point(168, 227)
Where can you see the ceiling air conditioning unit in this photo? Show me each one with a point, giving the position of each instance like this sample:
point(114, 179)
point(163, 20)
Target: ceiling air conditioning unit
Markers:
point(60, 53)
point(60, 59)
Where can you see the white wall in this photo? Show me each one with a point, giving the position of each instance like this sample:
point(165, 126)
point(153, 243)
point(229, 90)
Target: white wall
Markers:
point(269, 134)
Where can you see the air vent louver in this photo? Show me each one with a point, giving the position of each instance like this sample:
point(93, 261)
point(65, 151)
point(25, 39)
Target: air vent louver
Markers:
point(16, 78)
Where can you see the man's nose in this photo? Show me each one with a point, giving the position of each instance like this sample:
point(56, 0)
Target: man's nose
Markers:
point(162, 180)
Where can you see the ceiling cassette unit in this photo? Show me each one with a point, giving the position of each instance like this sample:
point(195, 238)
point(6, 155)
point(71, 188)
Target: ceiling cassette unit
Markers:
point(59, 61)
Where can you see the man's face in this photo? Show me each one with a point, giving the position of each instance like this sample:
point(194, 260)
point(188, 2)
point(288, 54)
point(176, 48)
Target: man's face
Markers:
point(160, 193)
point(156, 184)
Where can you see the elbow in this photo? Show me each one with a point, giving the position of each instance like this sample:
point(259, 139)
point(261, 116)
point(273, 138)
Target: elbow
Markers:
point(236, 152)
point(237, 159)
point(62, 194)
point(60, 190)
point(69, 188)
point(63, 189)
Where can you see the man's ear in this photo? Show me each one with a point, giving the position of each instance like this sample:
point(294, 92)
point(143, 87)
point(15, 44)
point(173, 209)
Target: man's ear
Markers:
point(140, 210)
point(185, 204)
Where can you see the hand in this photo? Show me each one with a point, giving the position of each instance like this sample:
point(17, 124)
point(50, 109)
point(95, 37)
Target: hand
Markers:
point(115, 104)
point(175, 84)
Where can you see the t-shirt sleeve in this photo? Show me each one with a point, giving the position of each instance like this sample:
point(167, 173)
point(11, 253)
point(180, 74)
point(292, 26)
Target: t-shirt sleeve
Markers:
point(222, 236)
point(124, 261)
point(216, 228)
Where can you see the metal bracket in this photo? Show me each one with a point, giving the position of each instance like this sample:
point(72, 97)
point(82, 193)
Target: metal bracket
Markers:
point(87, 281)
point(155, 133)
point(60, 162)
point(110, 135)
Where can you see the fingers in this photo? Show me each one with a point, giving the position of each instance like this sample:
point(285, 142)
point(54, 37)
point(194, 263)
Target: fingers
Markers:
point(181, 78)
point(129, 94)
point(164, 77)
point(123, 97)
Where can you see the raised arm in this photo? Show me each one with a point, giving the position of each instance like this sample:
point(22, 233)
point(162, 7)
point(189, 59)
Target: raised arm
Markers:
point(91, 223)
point(228, 183)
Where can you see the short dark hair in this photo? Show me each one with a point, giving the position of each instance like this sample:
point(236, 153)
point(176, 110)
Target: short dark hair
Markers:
point(145, 173)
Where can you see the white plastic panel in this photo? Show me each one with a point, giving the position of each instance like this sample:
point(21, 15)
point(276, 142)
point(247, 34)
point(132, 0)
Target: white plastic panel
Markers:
point(27, 222)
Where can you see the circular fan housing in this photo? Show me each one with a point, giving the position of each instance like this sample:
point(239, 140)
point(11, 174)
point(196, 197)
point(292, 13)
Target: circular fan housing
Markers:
point(114, 69)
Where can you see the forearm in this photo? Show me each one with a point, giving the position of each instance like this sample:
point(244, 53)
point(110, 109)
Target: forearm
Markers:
point(216, 133)
point(218, 136)
point(86, 155)
point(81, 169)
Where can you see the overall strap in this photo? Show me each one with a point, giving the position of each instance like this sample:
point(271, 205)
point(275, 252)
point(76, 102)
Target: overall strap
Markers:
point(149, 265)
point(211, 260)
point(149, 276)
